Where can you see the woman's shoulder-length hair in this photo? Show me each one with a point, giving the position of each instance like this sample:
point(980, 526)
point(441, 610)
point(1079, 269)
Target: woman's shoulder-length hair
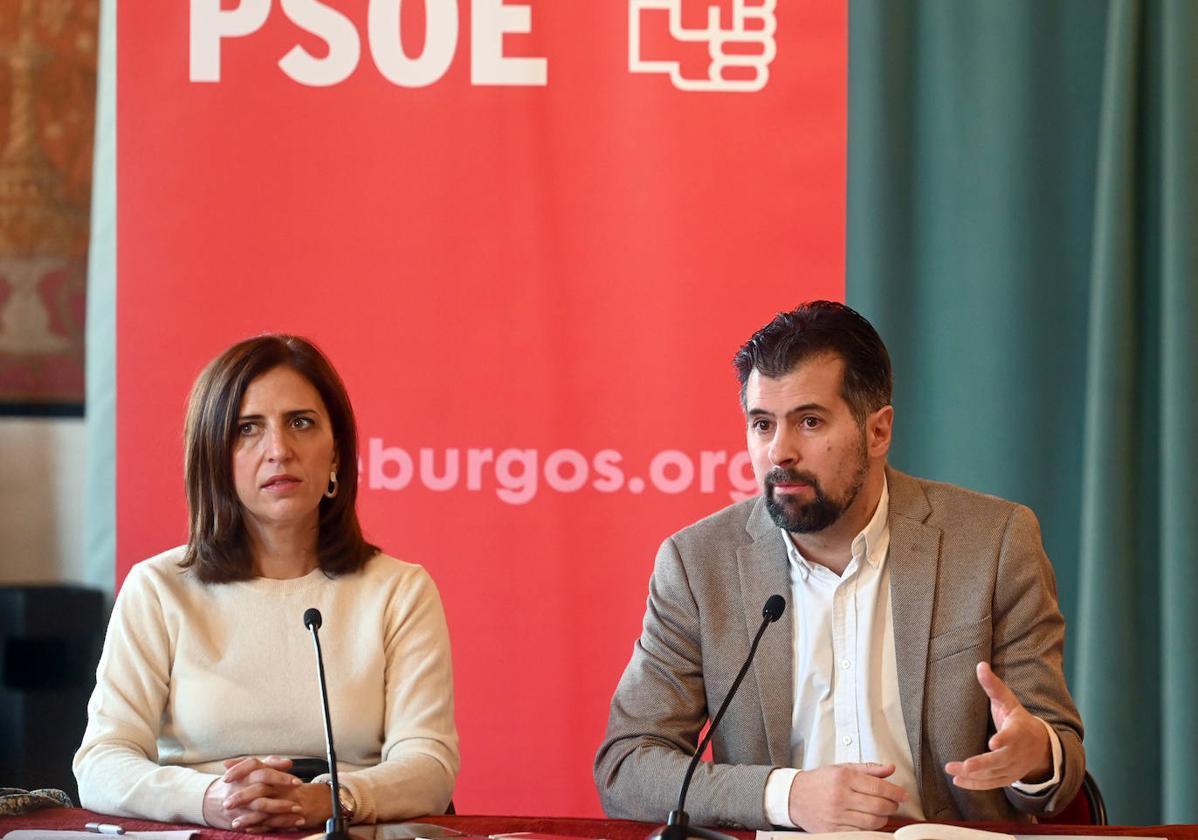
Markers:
point(218, 548)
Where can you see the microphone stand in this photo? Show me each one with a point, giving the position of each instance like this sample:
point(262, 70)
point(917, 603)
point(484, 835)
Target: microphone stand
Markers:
point(335, 828)
point(678, 825)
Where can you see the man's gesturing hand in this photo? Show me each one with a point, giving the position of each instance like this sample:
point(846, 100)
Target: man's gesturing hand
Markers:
point(844, 797)
point(1020, 749)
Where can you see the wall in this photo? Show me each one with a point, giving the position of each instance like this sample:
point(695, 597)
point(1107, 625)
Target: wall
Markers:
point(41, 501)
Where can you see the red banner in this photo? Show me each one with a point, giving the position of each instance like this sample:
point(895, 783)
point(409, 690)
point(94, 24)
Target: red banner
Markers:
point(530, 235)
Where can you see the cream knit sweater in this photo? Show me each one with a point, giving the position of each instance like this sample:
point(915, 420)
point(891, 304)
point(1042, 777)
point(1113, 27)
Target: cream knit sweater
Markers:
point(195, 673)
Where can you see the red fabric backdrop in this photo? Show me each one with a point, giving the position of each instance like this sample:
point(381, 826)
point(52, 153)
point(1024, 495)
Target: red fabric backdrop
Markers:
point(548, 262)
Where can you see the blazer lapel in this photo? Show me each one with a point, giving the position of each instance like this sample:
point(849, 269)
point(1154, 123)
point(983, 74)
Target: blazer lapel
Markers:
point(764, 571)
point(914, 556)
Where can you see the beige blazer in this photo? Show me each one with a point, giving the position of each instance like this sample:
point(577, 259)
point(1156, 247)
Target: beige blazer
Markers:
point(969, 582)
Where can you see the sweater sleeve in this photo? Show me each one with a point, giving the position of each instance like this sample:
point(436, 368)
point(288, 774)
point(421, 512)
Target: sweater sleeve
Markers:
point(420, 743)
point(117, 763)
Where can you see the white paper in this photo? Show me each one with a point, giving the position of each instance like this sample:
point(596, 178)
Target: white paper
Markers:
point(49, 834)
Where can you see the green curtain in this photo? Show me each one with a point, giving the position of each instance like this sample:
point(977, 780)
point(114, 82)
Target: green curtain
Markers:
point(1022, 229)
point(1138, 561)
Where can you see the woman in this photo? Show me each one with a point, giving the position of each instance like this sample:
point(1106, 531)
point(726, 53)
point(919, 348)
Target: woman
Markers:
point(207, 684)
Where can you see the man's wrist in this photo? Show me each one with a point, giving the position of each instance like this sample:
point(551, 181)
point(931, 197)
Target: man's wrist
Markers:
point(777, 796)
point(1056, 753)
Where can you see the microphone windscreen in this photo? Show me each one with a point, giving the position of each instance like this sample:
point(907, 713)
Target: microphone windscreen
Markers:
point(775, 605)
point(312, 617)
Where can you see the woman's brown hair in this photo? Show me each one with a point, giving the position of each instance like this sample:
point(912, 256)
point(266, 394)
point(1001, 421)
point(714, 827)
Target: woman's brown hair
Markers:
point(218, 543)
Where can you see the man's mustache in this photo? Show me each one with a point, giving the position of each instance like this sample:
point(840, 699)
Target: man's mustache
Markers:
point(779, 475)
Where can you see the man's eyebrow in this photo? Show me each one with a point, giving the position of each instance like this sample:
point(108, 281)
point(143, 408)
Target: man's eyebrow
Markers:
point(798, 409)
point(811, 406)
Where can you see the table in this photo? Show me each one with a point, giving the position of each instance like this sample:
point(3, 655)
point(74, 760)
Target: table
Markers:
point(76, 818)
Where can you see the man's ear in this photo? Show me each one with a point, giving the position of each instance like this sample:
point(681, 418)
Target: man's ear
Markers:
point(878, 427)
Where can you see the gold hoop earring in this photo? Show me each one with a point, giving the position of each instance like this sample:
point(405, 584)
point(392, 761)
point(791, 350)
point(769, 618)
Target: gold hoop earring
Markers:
point(331, 492)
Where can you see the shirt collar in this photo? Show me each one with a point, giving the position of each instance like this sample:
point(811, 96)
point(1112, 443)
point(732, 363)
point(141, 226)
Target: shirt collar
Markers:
point(875, 538)
point(869, 545)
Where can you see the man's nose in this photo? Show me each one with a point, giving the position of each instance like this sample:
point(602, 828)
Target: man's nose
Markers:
point(783, 451)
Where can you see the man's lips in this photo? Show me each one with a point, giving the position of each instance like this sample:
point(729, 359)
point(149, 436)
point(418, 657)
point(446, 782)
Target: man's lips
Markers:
point(791, 487)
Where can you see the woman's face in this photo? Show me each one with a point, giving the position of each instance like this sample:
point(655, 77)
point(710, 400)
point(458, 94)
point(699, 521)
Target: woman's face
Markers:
point(284, 450)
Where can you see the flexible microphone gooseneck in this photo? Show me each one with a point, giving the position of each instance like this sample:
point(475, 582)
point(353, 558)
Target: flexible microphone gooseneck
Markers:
point(335, 827)
point(678, 825)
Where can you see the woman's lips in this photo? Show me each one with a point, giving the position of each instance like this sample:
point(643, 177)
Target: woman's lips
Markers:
point(280, 482)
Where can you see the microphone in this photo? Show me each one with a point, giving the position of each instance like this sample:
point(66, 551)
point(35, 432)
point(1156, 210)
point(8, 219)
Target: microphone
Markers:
point(335, 827)
point(678, 825)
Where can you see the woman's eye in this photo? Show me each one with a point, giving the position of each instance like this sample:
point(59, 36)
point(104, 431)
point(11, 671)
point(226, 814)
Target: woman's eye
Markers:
point(245, 429)
point(302, 423)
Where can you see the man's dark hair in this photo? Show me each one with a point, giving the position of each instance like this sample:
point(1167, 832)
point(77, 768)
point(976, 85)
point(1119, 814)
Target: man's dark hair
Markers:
point(217, 542)
point(817, 328)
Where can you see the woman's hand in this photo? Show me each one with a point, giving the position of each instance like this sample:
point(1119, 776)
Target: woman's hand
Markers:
point(257, 794)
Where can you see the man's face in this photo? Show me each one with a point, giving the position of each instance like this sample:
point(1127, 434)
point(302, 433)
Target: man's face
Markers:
point(809, 453)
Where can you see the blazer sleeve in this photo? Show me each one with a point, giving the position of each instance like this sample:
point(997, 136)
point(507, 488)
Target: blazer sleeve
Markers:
point(1028, 653)
point(657, 714)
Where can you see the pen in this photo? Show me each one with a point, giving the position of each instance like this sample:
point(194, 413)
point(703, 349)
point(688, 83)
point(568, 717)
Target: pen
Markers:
point(104, 828)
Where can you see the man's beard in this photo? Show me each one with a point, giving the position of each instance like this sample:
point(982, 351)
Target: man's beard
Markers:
point(798, 517)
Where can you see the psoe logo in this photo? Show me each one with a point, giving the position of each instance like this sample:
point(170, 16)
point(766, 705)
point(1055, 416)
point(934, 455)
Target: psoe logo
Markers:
point(740, 52)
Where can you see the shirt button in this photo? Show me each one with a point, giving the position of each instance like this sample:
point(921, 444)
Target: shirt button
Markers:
point(846, 740)
point(845, 664)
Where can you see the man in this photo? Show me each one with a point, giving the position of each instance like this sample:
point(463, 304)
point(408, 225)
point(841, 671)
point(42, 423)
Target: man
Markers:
point(917, 669)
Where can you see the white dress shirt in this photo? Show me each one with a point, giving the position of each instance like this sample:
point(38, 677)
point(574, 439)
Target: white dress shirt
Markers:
point(847, 707)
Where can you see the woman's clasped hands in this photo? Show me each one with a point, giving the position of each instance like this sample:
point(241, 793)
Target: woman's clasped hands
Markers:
point(258, 794)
